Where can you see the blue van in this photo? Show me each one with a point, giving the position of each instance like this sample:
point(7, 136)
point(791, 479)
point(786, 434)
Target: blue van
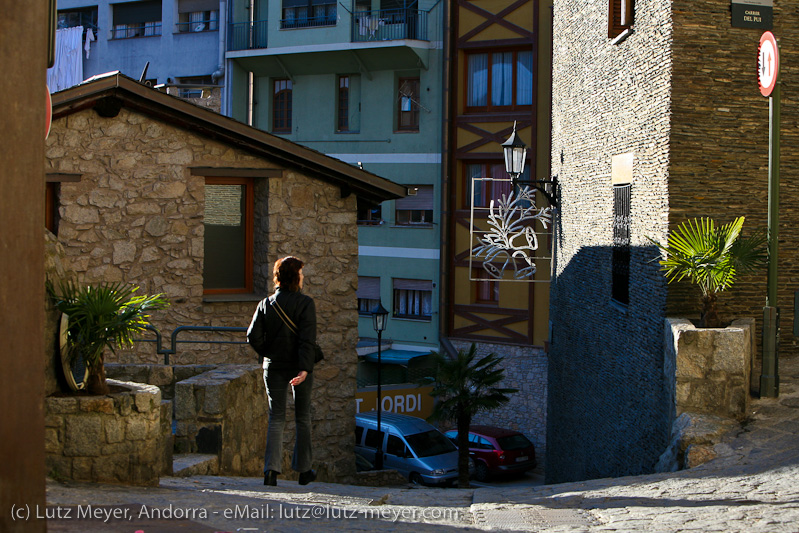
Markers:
point(411, 446)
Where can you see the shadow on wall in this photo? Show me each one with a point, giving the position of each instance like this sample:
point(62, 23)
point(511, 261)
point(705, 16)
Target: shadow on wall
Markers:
point(608, 406)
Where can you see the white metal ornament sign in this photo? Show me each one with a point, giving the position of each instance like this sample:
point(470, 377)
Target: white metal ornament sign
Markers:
point(768, 63)
point(509, 238)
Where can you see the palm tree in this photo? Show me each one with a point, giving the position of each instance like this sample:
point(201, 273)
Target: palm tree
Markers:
point(464, 386)
point(711, 257)
point(106, 315)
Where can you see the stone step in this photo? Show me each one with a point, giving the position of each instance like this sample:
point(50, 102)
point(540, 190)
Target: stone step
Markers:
point(195, 464)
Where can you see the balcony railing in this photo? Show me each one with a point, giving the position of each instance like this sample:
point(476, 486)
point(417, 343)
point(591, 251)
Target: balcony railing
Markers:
point(143, 29)
point(247, 35)
point(389, 25)
point(197, 26)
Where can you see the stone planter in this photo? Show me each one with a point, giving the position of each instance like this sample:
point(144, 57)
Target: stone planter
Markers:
point(708, 369)
point(116, 438)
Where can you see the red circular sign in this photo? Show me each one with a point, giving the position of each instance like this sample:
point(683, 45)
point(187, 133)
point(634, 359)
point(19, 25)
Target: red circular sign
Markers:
point(49, 112)
point(768, 63)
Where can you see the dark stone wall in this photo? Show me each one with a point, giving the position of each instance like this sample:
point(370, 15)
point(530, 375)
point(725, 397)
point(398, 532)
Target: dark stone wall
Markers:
point(681, 94)
point(719, 147)
point(607, 403)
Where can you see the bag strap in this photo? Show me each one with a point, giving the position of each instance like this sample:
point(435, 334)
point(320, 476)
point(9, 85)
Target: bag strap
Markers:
point(284, 317)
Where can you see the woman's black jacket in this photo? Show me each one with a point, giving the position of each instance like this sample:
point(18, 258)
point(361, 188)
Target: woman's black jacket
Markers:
point(272, 339)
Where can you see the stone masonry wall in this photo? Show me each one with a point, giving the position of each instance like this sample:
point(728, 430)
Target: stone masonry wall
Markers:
point(526, 370)
point(719, 147)
point(606, 406)
point(109, 439)
point(222, 412)
point(136, 216)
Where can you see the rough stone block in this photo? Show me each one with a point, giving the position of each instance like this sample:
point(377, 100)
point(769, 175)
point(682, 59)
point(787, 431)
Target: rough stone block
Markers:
point(97, 405)
point(52, 443)
point(58, 406)
point(84, 436)
point(135, 429)
point(215, 398)
point(114, 430)
point(82, 468)
point(185, 407)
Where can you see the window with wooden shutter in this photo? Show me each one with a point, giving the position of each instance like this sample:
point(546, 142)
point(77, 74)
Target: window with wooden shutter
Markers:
point(413, 298)
point(368, 294)
point(417, 209)
point(620, 17)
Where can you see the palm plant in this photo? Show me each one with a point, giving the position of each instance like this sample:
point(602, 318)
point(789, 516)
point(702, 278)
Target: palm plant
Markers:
point(464, 386)
point(711, 257)
point(100, 317)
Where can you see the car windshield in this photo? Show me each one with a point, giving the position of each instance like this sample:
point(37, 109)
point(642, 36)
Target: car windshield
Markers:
point(514, 442)
point(430, 443)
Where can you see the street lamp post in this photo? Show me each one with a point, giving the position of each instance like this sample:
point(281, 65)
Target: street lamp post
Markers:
point(379, 320)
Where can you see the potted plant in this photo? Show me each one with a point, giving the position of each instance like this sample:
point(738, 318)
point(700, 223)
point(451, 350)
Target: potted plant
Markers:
point(711, 364)
point(106, 315)
point(463, 386)
point(711, 257)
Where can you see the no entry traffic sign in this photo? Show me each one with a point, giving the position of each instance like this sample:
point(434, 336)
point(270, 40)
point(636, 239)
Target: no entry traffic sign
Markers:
point(768, 63)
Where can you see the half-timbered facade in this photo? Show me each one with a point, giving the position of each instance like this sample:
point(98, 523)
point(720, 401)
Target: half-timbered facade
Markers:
point(498, 73)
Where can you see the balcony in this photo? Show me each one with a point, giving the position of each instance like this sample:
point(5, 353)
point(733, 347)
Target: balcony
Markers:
point(297, 17)
point(247, 35)
point(139, 29)
point(389, 25)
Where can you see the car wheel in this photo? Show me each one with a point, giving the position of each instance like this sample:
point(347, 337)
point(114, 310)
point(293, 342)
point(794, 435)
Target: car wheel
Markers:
point(416, 479)
point(480, 471)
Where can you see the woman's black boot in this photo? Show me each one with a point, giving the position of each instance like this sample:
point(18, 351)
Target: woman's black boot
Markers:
point(270, 478)
point(307, 477)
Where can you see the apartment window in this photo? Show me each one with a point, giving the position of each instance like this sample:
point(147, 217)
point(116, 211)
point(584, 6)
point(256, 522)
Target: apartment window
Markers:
point(413, 298)
point(343, 109)
point(281, 106)
point(500, 80)
point(620, 290)
point(228, 220)
point(137, 19)
point(369, 215)
point(198, 15)
point(308, 13)
point(620, 17)
point(486, 289)
point(192, 86)
point(368, 294)
point(408, 104)
point(417, 209)
point(485, 190)
point(86, 17)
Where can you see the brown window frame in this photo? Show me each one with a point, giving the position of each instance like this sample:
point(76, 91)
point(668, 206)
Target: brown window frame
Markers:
point(486, 288)
point(497, 108)
point(282, 105)
point(413, 114)
point(620, 17)
point(249, 225)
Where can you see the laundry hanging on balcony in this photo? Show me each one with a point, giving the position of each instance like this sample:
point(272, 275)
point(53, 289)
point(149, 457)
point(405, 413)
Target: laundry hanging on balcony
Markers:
point(68, 67)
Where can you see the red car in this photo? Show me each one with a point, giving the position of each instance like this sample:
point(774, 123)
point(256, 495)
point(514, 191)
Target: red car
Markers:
point(497, 451)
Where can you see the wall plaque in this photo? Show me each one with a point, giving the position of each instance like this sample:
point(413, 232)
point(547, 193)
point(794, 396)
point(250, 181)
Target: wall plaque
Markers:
point(758, 14)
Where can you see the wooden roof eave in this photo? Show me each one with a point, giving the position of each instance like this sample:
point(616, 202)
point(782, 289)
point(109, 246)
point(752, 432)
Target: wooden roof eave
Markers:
point(131, 94)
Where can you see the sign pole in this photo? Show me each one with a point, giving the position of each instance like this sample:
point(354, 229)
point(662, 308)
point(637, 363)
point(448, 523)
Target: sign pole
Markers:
point(769, 377)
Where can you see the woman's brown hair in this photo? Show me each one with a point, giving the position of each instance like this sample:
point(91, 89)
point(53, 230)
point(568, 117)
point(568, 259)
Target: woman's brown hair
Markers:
point(287, 273)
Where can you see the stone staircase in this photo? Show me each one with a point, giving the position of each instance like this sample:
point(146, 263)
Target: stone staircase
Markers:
point(195, 464)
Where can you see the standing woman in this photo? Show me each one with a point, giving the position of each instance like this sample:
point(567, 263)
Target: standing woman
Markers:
point(283, 332)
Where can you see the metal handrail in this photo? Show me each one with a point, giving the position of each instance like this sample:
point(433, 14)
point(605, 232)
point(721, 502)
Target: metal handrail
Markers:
point(166, 352)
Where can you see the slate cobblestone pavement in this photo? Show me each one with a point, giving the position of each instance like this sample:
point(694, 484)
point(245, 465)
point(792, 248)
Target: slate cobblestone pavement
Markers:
point(752, 486)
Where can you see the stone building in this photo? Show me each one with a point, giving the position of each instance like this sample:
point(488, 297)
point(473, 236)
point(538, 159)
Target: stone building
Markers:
point(151, 190)
point(656, 118)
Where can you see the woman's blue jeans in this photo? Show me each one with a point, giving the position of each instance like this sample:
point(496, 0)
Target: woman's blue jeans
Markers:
point(277, 389)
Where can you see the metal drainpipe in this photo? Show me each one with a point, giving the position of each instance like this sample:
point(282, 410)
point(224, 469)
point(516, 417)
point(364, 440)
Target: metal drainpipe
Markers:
point(220, 72)
point(444, 274)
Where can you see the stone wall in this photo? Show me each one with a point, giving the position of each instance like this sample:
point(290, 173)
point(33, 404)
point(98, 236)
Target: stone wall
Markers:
point(525, 369)
point(112, 439)
point(224, 411)
point(711, 367)
point(136, 216)
point(719, 147)
point(607, 412)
